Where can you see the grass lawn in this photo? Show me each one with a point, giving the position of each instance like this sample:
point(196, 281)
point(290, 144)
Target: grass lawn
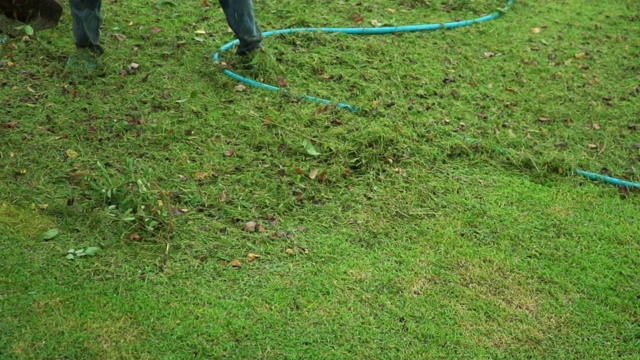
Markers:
point(235, 222)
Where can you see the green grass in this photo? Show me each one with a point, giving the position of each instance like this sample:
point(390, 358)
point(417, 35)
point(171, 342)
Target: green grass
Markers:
point(408, 243)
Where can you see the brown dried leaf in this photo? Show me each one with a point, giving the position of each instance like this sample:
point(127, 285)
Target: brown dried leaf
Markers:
point(200, 175)
point(229, 152)
point(10, 125)
point(545, 119)
point(236, 263)
point(313, 173)
point(250, 226)
point(323, 177)
point(290, 251)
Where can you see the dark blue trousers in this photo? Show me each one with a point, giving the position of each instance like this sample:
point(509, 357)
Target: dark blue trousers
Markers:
point(239, 14)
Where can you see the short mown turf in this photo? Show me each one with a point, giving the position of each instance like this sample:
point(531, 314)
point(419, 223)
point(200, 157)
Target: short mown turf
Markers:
point(234, 222)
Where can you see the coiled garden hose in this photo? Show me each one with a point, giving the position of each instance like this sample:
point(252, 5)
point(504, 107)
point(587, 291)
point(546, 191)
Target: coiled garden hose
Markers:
point(382, 31)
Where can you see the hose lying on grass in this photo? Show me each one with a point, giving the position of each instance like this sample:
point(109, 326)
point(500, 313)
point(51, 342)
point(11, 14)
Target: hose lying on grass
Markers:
point(382, 31)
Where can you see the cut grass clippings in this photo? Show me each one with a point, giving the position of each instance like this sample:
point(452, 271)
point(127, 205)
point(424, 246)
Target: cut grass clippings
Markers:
point(235, 222)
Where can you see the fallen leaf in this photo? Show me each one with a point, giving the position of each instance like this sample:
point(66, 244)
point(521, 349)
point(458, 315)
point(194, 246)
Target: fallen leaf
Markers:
point(49, 234)
point(579, 56)
point(634, 126)
point(250, 226)
point(200, 175)
point(290, 251)
point(536, 30)
point(596, 126)
point(393, 11)
point(375, 22)
point(323, 177)
point(308, 146)
point(120, 37)
point(178, 211)
point(134, 237)
point(10, 125)
point(156, 29)
point(313, 173)
point(223, 196)
point(72, 153)
point(489, 54)
point(200, 32)
point(624, 191)
point(236, 263)
point(561, 144)
point(281, 82)
point(229, 152)
point(592, 146)
point(252, 257)
point(239, 88)
point(545, 119)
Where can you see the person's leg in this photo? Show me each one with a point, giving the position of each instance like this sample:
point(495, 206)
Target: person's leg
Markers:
point(86, 24)
point(241, 19)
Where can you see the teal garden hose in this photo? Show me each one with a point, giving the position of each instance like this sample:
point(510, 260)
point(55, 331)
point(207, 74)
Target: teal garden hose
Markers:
point(382, 31)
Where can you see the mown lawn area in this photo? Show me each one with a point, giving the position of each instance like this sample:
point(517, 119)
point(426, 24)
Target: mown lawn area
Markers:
point(236, 222)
